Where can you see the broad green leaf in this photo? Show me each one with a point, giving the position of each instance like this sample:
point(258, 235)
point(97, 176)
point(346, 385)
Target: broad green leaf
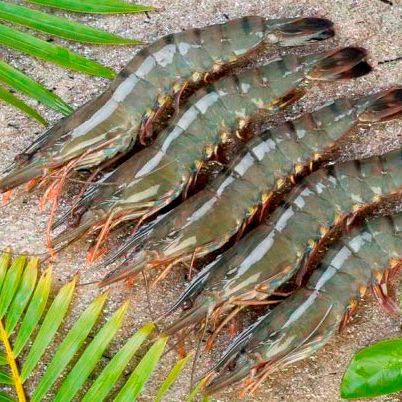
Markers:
point(34, 312)
point(5, 261)
point(5, 378)
point(111, 373)
point(33, 46)
point(171, 378)
point(5, 398)
point(11, 282)
point(3, 359)
point(21, 82)
point(59, 26)
point(94, 6)
point(23, 294)
point(373, 371)
point(8, 97)
point(49, 327)
point(69, 347)
point(136, 382)
point(90, 357)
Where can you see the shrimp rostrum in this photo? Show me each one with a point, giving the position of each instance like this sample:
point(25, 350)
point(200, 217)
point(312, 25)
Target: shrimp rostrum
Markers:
point(147, 87)
point(204, 223)
point(305, 322)
point(331, 199)
point(153, 178)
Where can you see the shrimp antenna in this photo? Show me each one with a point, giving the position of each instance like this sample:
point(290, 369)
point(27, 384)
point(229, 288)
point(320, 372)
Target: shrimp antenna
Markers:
point(399, 58)
point(88, 283)
point(191, 289)
point(151, 314)
point(230, 353)
point(197, 353)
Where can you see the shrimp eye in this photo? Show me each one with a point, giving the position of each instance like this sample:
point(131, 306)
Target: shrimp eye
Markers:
point(76, 216)
point(22, 158)
point(187, 305)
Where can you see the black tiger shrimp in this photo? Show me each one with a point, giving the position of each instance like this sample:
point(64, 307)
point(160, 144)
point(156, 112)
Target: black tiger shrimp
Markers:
point(305, 322)
point(268, 256)
point(153, 178)
point(204, 223)
point(145, 89)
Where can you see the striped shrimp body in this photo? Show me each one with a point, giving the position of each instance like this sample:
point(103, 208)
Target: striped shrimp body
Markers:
point(305, 322)
point(153, 178)
point(147, 86)
point(205, 222)
point(268, 256)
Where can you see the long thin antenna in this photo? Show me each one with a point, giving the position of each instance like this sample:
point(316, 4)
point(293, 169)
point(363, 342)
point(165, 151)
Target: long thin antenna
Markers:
point(197, 353)
point(151, 314)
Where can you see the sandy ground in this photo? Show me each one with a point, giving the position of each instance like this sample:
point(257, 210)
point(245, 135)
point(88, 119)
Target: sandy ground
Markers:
point(369, 23)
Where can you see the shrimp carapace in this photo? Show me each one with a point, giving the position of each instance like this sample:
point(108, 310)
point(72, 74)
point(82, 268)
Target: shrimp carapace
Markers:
point(302, 324)
point(146, 89)
point(153, 178)
point(267, 257)
point(191, 230)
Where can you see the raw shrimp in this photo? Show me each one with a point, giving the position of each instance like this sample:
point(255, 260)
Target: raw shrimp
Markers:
point(208, 220)
point(146, 88)
point(151, 179)
point(305, 322)
point(268, 256)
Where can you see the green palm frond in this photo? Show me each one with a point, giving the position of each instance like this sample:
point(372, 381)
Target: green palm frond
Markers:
point(94, 6)
point(47, 51)
point(30, 319)
point(8, 97)
point(22, 83)
point(59, 26)
point(23, 41)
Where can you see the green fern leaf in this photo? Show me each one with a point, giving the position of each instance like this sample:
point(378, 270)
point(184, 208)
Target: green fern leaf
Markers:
point(3, 359)
point(19, 104)
point(95, 6)
point(70, 345)
point(34, 311)
point(41, 49)
point(49, 327)
point(109, 376)
point(136, 382)
point(5, 398)
point(23, 301)
point(5, 261)
point(5, 378)
point(23, 294)
point(59, 26)
point(20, 82)
point(90, 357)
point(172, 377)
point(11, 283)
